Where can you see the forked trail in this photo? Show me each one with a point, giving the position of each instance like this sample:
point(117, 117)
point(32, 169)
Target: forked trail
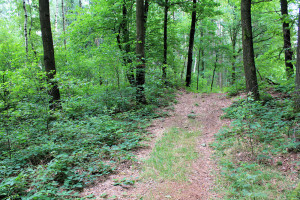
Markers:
point(192, 113)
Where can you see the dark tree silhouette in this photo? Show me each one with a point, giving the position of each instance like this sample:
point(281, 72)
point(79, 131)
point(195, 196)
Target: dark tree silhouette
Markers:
point(287, 40)
point(191, 46)
point(49, 59)
point(140, 51)
point(248, 52)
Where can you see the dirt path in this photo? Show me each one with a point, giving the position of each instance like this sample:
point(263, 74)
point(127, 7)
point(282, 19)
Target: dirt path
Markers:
point(205, 109)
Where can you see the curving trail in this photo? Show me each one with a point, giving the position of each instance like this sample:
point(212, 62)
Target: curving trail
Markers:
point(206, 110)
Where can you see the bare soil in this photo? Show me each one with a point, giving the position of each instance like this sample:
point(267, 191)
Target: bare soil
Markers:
point(205, 109)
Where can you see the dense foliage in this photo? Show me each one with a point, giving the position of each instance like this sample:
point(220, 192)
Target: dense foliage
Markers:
point(54, 153)
point(252, 148)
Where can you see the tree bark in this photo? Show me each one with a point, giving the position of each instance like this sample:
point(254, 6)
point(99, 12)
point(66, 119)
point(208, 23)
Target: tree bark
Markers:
point(80, 4)
point(63, 22)
point(49, 59)
point(198, 67)
point(248, 52)
point(234, 30)
point(146, 10)
point(165, 62)
point(214, 72)
point(29, 32)
point(202, 57)
point(234, 33)
point(287, 40)
point(25, 27)
point(140, 51)
point(297, 84)
point(191, 46)
point(233, 75)
point(56, 14)
point(127, 59)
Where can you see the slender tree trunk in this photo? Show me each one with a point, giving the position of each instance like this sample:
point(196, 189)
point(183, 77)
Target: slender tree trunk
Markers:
point(202, 56)
point(146, 10)
point(214, 72)
point(56, 14)
point(183, 68)
point(49, 59)
point(233, 75)
point(191, 46)
point(198, 67)
point(195, 64)
point(287, 40)
point(127, 59)
point(248, 52)
point(202, 64)
point(80, 4)
point(25, 27)
point(63, 22)
point(233, 37)
point(140, 51)
point(297, 84)
point(164, 74)
point(29, 31)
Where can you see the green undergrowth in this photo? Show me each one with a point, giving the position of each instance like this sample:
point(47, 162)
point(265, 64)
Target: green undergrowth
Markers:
point(172, 156)
point(54, 155)
point(247, 151)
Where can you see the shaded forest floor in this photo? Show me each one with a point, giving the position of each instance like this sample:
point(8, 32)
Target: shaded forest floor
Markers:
point(194, 119)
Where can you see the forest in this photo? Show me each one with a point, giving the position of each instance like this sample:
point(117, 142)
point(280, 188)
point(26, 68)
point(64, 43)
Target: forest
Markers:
point(81, 82)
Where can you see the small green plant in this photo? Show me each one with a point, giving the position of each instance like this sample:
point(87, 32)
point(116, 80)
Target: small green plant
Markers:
point(123, 182)
point(192, 116)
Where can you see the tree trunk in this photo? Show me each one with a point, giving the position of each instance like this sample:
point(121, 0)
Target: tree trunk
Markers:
point(297, 84)
point(214, 72)
point(29, 32)
point(233, 75)
point(183, 68)
point(80, 4)
point(25, 27)
point(140, 51)
point(191, 46)
point(49, 59)
point(202, 56)
point(56, 14)
point(164, 74)
point(248, 52)
point(198, 67)
point(127, 59)
point(146, 10)
point(63, 22)
point(233, 37)
point(287, 40)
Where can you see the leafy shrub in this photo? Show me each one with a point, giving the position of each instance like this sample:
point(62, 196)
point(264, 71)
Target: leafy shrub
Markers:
point(260, 131)
point(53, 155)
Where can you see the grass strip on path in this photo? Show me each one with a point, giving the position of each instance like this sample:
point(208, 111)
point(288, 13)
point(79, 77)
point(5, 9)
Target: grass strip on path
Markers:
point(172, 156)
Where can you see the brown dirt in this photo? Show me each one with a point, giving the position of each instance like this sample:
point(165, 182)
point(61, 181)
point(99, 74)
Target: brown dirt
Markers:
point(206, 109)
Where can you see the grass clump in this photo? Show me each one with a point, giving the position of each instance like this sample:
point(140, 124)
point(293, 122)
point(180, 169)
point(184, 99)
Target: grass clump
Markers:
point(172, 155)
